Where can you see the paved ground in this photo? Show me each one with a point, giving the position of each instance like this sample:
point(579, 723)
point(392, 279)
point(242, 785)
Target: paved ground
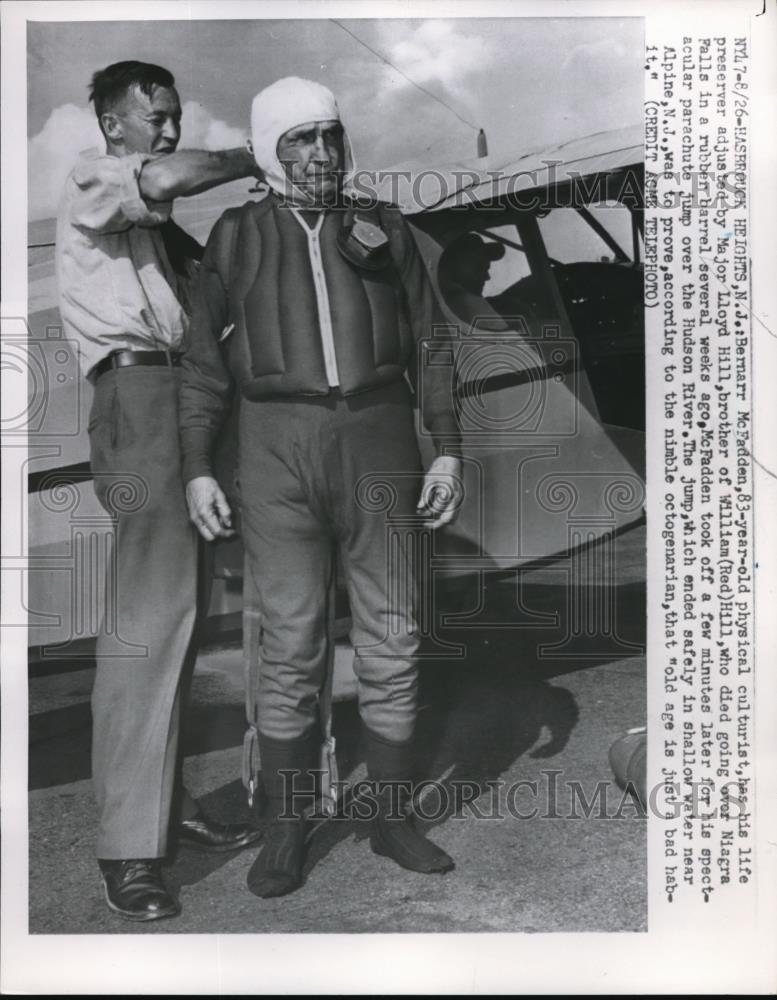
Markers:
point(511, 710)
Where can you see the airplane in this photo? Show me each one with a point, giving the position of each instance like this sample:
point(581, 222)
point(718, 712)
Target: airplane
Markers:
point(550, 368)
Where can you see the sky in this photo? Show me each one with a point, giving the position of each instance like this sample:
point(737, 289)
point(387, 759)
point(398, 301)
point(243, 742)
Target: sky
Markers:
point(527, 82)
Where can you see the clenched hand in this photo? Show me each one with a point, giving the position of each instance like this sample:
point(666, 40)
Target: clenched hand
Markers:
point(208, 508)
point(442, 491)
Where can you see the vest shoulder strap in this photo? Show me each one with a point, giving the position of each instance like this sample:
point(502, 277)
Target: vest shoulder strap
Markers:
point(230, 226)
point(395, 228)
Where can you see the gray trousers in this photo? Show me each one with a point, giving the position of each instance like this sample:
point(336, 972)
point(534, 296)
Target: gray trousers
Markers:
point(145, 643)
point(321, 476)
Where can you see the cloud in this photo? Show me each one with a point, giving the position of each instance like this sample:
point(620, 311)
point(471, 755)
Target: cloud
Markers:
point(600, 86)
point(394, 121)
point(436, 52)
point(590, 55)
point(69, 129)
point(598, 69)
point(52, 153)
point(200, 130)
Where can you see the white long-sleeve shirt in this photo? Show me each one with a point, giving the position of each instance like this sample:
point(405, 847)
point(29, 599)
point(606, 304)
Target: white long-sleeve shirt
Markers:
point(117, 289)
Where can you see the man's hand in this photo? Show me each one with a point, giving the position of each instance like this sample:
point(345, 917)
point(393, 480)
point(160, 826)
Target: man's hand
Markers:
point(442, 492)
point(208, 508)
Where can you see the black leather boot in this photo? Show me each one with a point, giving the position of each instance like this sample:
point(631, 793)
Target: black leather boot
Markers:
point(278, 867)
point(392, 832)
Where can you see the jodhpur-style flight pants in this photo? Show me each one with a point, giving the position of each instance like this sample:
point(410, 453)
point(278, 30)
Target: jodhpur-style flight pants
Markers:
point(320, 476)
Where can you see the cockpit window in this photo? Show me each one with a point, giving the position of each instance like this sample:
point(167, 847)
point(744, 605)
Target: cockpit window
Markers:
point(571, 236)
point(477, 266)
point(512, 267)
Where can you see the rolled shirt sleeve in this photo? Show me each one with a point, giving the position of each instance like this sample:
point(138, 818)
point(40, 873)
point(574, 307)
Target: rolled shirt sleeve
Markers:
point(106, 196)
point(117, 288)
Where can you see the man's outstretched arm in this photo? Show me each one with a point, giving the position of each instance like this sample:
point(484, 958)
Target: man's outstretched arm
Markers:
point(191, 171)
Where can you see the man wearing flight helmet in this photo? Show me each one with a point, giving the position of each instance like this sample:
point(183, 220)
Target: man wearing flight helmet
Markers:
point(317, 310)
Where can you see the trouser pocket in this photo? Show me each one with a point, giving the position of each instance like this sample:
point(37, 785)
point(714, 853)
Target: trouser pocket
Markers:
point(102, 434)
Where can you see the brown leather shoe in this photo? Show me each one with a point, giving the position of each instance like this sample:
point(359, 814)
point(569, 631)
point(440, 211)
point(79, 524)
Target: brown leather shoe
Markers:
point(134, 889)
point(205, 834)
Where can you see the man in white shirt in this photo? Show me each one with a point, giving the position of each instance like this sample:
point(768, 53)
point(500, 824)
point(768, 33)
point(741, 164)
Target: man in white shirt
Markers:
point(122, 266)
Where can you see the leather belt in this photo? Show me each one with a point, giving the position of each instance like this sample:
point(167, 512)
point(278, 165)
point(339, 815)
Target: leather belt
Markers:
point(127, 359)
